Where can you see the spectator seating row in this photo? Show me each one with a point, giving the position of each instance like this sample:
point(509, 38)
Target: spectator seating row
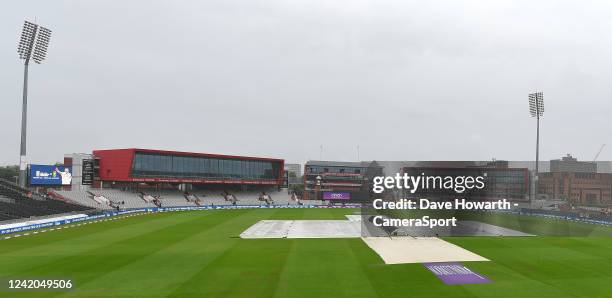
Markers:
point(18, 203)
point(169, 198)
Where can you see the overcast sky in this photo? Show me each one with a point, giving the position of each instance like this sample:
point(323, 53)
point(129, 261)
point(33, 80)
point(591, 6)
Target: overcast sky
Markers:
point(404, 80)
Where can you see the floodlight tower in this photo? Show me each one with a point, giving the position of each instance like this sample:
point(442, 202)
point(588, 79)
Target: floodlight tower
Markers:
point(32, 45)
point(536, 109)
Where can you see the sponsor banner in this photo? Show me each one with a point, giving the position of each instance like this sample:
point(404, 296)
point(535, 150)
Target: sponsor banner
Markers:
point(160, 209)
point(50, 175)
point(538, 213)
point(456, 274)
point(339, 206)
point(526, 212)
point(217, 207)
point(66, 221)
point(329, 195)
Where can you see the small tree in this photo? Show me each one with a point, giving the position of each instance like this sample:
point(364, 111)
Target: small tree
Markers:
point(298, 188)
point(9, 172)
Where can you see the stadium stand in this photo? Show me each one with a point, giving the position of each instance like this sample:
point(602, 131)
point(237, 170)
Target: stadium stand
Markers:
point(17, 202)
point(170, 198)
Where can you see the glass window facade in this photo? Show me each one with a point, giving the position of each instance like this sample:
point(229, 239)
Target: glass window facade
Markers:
point(340, 170)
point(499, 183)
point(170, 166)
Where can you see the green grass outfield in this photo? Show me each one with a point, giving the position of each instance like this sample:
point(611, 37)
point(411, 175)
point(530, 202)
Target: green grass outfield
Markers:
point(200, 254)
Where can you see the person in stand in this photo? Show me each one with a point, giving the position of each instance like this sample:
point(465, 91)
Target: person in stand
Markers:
point(232, 198)
point(267, 198)
point(296, 199)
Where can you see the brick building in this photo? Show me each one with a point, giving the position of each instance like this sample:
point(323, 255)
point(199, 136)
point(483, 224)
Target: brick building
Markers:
point(576, 182)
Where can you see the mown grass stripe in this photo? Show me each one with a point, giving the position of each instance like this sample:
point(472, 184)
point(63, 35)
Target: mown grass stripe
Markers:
point(88, 242)
point(183, 258)
point(251, 265)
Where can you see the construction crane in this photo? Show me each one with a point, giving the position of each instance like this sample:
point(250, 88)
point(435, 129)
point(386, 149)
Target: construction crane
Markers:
point(599, 152)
